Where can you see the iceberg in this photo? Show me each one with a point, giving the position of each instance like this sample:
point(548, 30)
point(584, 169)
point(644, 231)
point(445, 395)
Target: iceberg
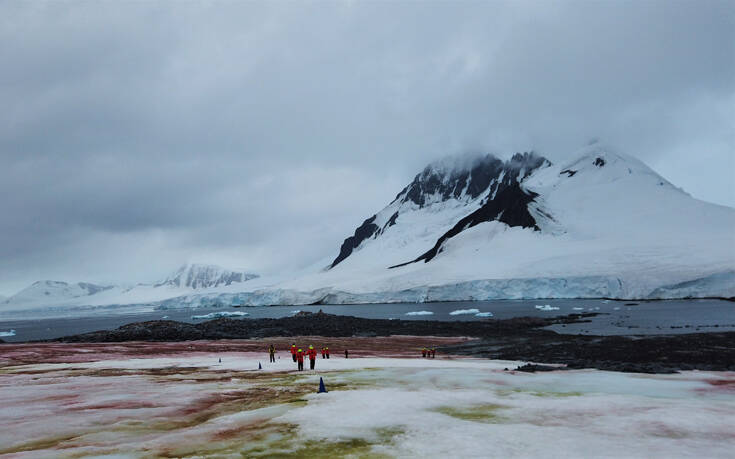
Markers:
point(546, 307)
point(420, 313)
point(220, 314)
point(460, 312)
point(5, 334)
point(484, 314)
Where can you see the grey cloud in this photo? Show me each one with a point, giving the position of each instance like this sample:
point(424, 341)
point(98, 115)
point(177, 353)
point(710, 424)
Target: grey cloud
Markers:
point(134, 136)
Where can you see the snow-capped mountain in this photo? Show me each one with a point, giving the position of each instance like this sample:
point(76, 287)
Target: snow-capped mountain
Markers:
point(198, 276)
point(480, 189)
point(601, 225)
point(188, 279)
point(49, 290)
point(478, 228)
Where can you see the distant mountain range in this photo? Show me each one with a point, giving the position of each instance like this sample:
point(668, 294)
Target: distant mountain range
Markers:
point(186, 279)
point(603, 225)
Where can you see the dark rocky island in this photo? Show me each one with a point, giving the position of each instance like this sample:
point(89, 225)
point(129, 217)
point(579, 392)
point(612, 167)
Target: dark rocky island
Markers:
point(521, 339)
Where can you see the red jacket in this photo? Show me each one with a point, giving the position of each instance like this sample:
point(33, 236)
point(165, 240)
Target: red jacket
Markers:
point(300, 356)
point(293, 349)
point(312, 354)
point(327, 350)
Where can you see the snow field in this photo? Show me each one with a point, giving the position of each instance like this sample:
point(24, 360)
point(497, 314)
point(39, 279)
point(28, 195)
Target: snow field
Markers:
point(398, 407)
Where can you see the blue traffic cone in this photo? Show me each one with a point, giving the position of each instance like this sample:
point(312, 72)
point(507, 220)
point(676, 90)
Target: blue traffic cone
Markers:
point(259, 366)
point(321, 386)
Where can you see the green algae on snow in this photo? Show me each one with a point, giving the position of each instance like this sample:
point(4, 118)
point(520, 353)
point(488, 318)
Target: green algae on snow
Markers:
point(286, 445)
point(477, 413)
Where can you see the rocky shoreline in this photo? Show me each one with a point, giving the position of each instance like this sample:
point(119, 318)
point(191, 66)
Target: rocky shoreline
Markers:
point(521, 339)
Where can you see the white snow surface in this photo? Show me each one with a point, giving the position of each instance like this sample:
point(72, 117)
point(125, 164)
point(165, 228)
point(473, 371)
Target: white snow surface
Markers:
point(613, 231)
point(418, 402)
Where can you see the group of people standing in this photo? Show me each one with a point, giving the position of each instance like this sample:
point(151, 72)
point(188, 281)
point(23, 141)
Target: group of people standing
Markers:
point(428, 353)
point(298, 355)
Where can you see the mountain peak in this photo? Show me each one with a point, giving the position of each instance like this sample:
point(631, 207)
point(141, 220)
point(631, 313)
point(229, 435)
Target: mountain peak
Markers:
point(484, 182)
point(597, 164)
point(467, 177)
point(195, 275)
point(50, 289)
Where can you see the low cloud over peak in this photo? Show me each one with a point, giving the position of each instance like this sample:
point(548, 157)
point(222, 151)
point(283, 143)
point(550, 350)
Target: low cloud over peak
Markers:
point(136, 136)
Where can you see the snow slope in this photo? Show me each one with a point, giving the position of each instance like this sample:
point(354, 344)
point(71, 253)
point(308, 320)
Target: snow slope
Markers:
point(479, 228)
point(604, 225)
point(54, 291)
point(187, 279)
point(198, 276)
point(406, 407)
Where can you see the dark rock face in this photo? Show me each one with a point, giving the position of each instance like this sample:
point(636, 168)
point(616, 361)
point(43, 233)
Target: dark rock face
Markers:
point(451, 184)
point(505, 199)
point(510, 206)
point(391, 221)
point(508, 203)
point(473, 181)
point(364, 231)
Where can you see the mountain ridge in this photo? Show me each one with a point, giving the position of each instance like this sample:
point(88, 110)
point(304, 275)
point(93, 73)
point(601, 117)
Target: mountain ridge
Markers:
point(190, 276)
point(600, 225)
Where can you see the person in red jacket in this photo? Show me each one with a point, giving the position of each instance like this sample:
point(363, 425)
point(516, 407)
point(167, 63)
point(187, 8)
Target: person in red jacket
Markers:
point(423, 352)
point(312, 357)
point(327, 349)
point(300, 359)
point(324, 353)
point(433, 352)
point(293, 352)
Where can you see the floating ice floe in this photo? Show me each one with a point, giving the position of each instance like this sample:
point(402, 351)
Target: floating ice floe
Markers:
point(578, 309)
point(5, 334)
point(217, 315)
point(460, 312)
point(296, 311)
point(420, 313)
point(546, 307)
point(484, 314)
point(616, 308)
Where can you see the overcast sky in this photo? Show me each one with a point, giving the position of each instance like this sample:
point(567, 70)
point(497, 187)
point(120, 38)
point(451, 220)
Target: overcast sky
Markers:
point(138, 136)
